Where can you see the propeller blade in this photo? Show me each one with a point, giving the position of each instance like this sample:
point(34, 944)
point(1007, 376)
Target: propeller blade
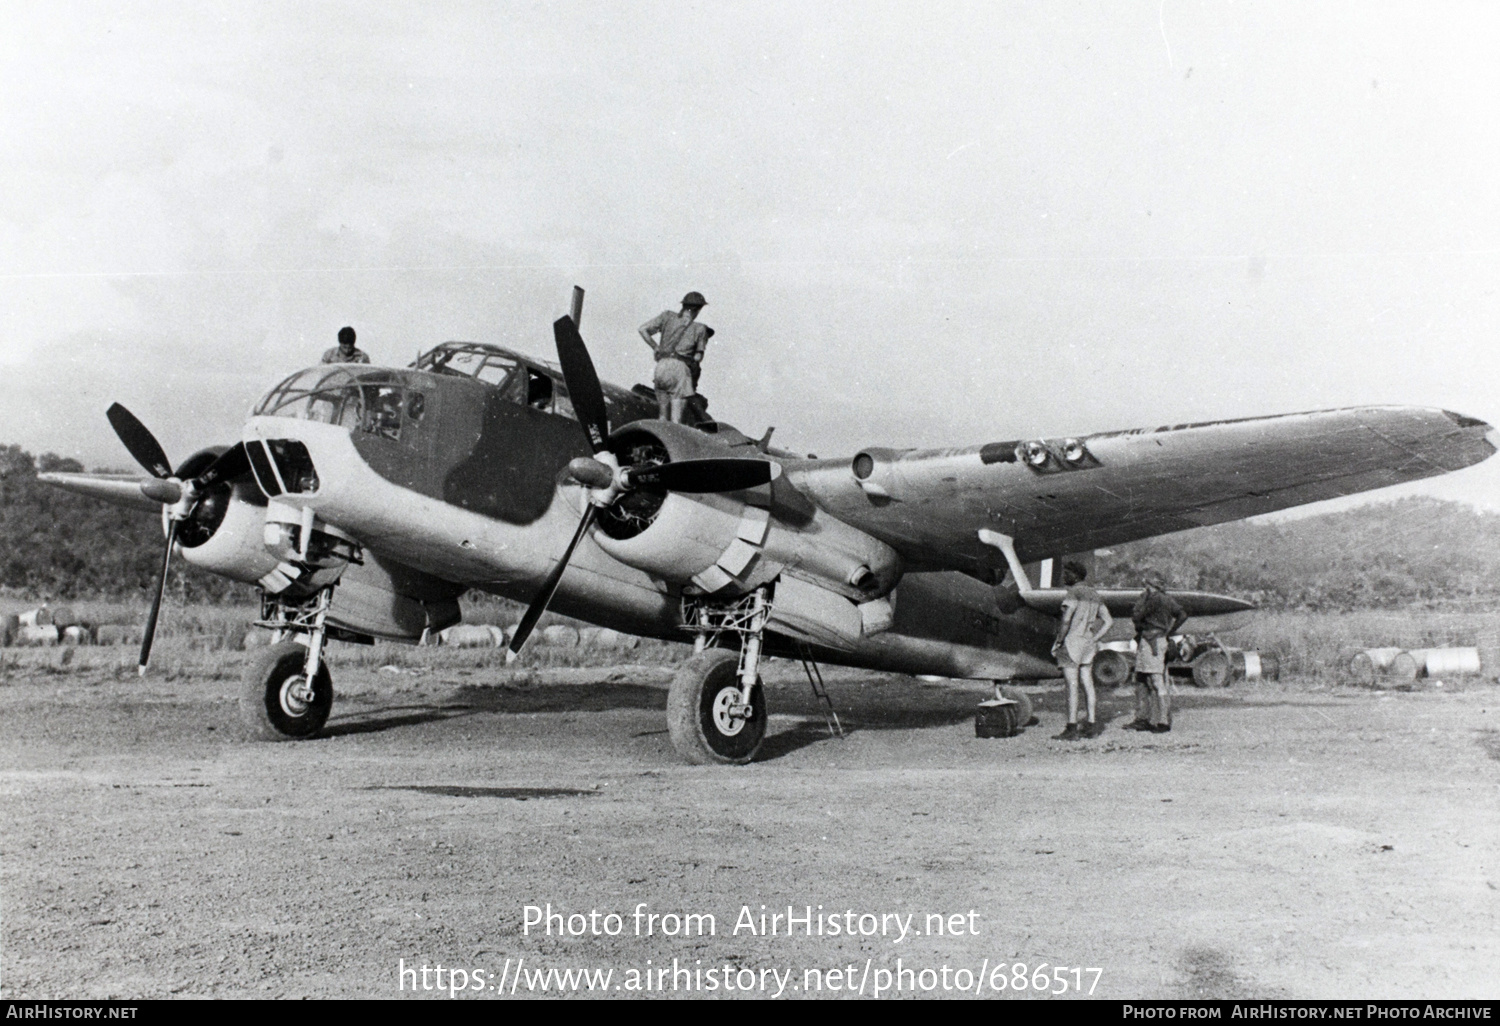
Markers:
point(583, 382)
point(549, 586)
point(232, 463)
point(711, 475)
point(576, 311)
point(140, 442)
point(161, 587)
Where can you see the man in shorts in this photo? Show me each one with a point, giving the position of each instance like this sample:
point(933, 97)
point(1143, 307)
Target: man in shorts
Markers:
point(1157, 617)
point(679, 354)
point(1085, 619)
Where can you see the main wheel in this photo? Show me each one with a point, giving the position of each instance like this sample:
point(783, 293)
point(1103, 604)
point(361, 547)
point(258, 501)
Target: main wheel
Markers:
point(270, 702)
point(699, 716)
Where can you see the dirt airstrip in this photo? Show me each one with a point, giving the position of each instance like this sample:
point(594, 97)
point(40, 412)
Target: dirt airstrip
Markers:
point(1283, 841)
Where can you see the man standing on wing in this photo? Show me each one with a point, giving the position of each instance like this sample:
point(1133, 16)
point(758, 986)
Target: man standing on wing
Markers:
point(1076, 644)
point(679, 354)
point(1157, 617)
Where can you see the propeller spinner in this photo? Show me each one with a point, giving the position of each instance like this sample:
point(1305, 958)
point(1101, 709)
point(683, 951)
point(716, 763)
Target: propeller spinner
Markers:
point(179, 496)
point(602, 475)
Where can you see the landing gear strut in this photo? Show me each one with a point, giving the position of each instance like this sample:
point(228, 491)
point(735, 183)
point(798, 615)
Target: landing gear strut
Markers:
point(716, 708)
point(287, 691)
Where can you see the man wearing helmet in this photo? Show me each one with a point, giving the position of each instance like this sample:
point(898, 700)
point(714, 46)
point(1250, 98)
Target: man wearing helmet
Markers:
point(679, 354)
point(1157, 616)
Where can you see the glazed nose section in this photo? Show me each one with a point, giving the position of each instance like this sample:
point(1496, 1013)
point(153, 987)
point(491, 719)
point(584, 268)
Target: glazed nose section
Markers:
point(282, 466)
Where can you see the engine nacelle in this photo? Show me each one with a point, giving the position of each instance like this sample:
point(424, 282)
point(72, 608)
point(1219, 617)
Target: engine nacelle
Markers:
point(734, 542)
point(234, 546)
point(223, 532)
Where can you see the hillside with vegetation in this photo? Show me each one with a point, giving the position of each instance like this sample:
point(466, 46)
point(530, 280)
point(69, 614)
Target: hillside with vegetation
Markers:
point(1414, 552)
point(57, 545)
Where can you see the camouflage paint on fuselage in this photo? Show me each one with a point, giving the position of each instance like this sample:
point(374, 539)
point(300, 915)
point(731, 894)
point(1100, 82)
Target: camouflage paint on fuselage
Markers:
point(479, 446)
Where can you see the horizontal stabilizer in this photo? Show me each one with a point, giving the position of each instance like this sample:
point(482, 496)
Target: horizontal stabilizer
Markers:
point(120, 489)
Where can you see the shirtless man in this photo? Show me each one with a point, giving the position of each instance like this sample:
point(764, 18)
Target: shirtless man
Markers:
point(1077, 642)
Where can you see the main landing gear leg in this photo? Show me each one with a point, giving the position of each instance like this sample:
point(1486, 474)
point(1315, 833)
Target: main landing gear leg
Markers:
point(716, 708)
point(287, 691)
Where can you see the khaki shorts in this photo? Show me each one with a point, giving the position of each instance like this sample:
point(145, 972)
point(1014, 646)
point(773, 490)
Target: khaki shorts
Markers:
point(673, 379)
point(1151, 655)
point(1076, 652)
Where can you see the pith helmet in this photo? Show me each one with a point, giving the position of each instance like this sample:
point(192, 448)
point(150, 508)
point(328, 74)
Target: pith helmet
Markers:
point(694, 299)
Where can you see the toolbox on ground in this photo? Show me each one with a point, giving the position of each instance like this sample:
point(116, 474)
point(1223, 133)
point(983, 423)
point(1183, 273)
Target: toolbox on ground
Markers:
point(998, 717)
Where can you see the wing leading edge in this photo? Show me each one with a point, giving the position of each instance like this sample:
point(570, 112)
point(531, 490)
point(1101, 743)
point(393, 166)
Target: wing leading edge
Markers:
point(119, 489)
point(1055, 496)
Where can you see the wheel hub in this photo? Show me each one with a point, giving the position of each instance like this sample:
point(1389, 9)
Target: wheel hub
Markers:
point(729, 715)
point(295, 696)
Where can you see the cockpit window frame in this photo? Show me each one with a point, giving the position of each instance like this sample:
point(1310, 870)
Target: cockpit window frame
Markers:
point(371, 401)
point(521, 387)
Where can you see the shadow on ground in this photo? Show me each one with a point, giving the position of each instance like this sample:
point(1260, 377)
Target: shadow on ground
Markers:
point(373, 721)
point(520, 794)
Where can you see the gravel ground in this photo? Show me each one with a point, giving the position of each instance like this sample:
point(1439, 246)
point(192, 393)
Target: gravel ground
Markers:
point(1283, 841)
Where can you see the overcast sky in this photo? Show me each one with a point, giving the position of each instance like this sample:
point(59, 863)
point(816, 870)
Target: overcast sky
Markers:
point(916, 224)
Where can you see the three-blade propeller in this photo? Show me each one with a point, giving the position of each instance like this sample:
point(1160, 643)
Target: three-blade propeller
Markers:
point(606, 480)
point(179, 495)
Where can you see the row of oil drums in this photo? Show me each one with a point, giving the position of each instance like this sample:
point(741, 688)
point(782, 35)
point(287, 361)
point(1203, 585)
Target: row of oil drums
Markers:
point(1207, 664)
point(1407, 664)
point(44, 626)
point(485, 635)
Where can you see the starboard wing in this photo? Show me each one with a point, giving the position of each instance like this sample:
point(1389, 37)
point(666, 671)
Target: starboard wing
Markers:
point(1057, 496)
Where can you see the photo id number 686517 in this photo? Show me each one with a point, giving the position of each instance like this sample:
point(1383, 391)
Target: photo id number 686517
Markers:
point(1045, 978)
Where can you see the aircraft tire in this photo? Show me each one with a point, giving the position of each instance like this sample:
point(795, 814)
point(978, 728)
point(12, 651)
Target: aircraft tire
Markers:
point(700, 731)
point(1111, 668)
point(267, 708)
point(1024, 714)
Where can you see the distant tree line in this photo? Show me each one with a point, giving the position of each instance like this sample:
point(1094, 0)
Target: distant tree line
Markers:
point(1416, 551)
point(1419, 551)
point(57, 545)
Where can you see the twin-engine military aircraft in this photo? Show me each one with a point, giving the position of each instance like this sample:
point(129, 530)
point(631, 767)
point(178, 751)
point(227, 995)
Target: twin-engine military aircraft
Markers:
point(363, 501)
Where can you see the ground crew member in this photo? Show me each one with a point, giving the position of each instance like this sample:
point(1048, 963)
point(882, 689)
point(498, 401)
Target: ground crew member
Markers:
point(679, 354)
point(345, 351)
point(1157, 617)
point(1076, 644)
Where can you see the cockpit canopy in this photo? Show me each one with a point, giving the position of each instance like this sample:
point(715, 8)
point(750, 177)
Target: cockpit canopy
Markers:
point(370, 399)
point(379, 400)
point(524, 379)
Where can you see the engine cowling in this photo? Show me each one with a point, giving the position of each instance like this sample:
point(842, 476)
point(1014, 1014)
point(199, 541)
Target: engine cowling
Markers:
point(731, 543)
point(223, 532)
point(235, 532)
